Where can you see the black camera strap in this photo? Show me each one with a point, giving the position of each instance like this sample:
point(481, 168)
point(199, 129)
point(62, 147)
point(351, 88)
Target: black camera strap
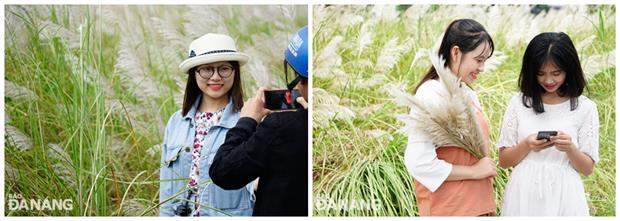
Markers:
point(293, 83)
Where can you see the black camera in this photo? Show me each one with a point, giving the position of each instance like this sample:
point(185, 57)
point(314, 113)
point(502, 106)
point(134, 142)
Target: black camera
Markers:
point(546, 135)
point(183, 210)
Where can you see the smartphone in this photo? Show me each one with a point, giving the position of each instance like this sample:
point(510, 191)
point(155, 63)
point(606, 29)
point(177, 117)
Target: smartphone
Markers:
point(282, 99)
point(546, 135)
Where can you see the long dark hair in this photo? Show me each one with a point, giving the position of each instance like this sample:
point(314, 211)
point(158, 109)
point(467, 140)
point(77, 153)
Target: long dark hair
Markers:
point(192, 91)
point(558, 48)
point(467, 34)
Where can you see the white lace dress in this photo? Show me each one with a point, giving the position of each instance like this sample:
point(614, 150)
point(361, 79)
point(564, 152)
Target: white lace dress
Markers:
point(544, 183)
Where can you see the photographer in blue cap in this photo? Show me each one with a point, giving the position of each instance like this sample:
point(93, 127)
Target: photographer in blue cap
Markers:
point(271, 146)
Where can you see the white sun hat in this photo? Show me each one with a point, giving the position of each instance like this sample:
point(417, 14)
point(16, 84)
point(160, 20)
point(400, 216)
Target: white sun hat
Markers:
point(212, 48)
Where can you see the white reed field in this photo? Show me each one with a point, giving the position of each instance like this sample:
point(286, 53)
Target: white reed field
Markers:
point(361, 53)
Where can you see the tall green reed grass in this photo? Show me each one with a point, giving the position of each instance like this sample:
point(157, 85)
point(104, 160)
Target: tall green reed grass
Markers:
point(362, 52)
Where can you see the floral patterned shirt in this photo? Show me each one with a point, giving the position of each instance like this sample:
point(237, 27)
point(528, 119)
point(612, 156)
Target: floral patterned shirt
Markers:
point(204, 121)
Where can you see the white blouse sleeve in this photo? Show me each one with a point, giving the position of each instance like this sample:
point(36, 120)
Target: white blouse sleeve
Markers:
point(508, 136)
point(588, 132)
point(420, 157)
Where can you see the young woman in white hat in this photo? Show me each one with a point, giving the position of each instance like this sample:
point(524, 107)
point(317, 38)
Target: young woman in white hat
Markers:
point(211, 105)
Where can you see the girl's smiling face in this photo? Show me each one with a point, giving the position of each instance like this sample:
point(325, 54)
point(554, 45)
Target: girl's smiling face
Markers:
point(218, 84)
point(467, 66)
point(550, 77)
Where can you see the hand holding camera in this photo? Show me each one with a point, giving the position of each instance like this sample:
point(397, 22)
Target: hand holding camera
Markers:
point(254, 107)
point(303, 102)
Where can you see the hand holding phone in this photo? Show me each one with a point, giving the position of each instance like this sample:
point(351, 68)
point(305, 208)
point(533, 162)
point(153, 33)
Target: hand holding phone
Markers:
point(546, 135)
point(255, 107)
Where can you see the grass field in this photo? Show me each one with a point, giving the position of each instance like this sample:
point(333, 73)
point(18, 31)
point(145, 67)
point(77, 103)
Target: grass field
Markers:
point(362, 52)
point(88, 90)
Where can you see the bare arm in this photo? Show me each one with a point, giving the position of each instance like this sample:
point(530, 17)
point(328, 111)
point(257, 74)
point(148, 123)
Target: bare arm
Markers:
point(581, 161)
point(509, 157)
point(578, 159)
point(484, 168)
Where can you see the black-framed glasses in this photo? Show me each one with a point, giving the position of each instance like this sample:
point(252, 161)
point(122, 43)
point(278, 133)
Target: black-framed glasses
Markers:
point(223, 70)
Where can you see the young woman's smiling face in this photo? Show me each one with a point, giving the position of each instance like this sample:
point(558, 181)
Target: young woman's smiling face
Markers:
point(215, 79)
point(470, 64)
point(550, 77)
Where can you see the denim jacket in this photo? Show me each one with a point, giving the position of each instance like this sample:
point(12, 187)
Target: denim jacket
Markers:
point(175, 166)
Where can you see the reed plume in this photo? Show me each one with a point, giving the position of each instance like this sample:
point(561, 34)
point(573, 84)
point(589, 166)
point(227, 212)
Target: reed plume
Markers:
point(452, 121)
